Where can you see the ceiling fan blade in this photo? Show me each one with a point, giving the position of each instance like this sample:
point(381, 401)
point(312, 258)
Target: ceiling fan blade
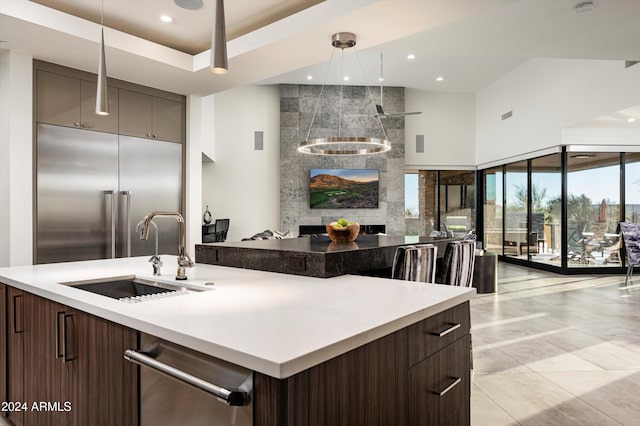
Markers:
point(383, 114)
point(400, 114)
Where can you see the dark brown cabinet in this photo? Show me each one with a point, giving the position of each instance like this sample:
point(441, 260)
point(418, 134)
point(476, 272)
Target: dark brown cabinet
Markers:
point(14, 366)
point(71, 102)
point(418, 375)
point(440, 388)
point(67, 366)
point(148, 116)
point(3, 344)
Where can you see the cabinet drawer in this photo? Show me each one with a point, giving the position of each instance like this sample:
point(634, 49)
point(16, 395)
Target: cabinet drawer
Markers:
point(440, 387)
point(432, 334)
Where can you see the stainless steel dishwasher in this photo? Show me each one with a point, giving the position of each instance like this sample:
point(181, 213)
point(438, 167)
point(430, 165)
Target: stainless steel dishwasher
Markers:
point(179, 386)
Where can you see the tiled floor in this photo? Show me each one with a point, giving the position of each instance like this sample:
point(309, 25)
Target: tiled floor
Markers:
point(556, 350)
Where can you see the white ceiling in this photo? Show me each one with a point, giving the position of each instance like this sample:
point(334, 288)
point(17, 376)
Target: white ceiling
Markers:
point(468, 42)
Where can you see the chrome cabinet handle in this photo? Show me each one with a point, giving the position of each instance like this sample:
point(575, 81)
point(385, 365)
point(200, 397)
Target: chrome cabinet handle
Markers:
point(443, 392)
point(111, 224)
point(126, 250)
point(65, 344)
point(449, 329)
point(59, 315)
point(230, 397)
point(18, 326)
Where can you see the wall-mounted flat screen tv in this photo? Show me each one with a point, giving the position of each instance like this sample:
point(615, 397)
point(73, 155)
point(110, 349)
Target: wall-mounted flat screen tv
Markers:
point(344, 188)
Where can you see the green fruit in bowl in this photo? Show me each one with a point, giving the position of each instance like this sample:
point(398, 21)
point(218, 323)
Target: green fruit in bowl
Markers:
point(343, 222)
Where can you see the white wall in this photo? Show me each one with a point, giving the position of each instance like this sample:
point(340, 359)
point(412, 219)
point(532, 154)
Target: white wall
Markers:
point(193, 183)
point(546, 96)
point(4, 157)
point(16, 141)
point(243, 184)
point(448, 125)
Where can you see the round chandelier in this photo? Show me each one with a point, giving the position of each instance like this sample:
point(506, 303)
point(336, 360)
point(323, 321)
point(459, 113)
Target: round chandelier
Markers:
point(344, 145)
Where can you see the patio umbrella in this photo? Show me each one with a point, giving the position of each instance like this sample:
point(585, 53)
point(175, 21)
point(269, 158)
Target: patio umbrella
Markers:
point(602, 215)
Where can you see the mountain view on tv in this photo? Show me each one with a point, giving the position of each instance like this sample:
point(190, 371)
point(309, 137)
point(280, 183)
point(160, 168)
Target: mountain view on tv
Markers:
point(344, 188)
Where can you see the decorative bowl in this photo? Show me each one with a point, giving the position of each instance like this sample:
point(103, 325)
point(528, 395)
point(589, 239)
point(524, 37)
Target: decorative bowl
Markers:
point(348, 233)
point(341, 246)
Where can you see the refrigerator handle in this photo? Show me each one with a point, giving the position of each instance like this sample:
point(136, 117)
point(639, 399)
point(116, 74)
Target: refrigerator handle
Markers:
point(110, 225)
point(126, 196)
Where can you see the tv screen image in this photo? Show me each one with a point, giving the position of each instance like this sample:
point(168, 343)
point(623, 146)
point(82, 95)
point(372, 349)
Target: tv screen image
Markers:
point(344, 188)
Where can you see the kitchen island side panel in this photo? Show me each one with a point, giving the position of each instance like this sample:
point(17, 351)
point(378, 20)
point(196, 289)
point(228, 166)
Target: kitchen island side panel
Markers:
point(367, 385)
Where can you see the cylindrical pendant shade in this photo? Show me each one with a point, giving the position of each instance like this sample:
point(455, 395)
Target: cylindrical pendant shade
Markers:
point(219, 62)
point(102, 97)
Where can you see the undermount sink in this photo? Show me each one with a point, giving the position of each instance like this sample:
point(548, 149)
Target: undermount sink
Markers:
point(131, 289)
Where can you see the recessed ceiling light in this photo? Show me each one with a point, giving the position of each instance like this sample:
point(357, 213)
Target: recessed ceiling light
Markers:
point(630, 120)
point(584, 6)
point(346, 78)
point(411, 56)
point(381, 79)
point(189, 4)
point(309, 77)
point(166, 18)
point(440, 78)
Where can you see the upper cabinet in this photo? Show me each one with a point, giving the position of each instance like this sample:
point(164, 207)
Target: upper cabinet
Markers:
point(148, 116)
point(67, 97)
point(71, 102)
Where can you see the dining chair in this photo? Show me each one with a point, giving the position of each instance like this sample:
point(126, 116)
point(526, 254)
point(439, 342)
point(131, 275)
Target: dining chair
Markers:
point(222, 227)
point(415, 263)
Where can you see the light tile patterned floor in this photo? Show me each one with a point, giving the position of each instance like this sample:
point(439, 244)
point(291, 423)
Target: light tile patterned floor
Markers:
point(556, 350)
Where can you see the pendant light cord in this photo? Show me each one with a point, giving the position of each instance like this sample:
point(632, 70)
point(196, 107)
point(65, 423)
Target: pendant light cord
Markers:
point(102, 14)
point(315, 110)
point(341, 96)
point(384, 133)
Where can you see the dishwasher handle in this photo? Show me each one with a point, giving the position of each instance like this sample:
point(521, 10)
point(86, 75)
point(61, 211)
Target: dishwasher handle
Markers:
point(229, 397)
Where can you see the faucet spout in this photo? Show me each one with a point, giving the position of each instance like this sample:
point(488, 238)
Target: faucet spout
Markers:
point(183, 258)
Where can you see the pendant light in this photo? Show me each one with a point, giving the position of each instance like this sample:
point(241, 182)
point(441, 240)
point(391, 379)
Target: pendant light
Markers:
point(102, 97)
point(344, 145)
point(219, 61)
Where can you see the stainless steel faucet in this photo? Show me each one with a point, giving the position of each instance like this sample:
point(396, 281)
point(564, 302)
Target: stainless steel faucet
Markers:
point(155, 260)
point(184, 261)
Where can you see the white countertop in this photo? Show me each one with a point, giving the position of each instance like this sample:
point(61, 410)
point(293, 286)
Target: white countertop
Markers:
point(275, 324)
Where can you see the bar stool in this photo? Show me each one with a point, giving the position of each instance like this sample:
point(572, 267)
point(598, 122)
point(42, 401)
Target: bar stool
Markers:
point(415, 263)
point(457, 269)
point(458, 263)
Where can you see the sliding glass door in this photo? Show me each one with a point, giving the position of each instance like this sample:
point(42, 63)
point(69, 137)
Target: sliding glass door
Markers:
point(593, 209)
point(546, 209)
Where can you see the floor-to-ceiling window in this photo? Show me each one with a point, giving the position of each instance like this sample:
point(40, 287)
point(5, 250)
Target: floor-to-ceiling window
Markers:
point(493, 201)
point(632, 187)
point(593, 209)
point(457, 201)
point(411, 204)
point(440, 202)
point(517, 239)
point(561, 210)
point(546, 209)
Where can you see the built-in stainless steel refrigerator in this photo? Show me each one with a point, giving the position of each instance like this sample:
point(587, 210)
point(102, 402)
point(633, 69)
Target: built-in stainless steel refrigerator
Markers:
point(93, 188)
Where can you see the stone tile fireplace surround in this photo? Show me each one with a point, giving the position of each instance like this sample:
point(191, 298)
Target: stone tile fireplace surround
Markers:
point(297, 103)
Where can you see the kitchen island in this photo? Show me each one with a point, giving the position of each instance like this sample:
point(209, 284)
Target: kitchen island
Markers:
point(320, 349)
point(315, 256)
